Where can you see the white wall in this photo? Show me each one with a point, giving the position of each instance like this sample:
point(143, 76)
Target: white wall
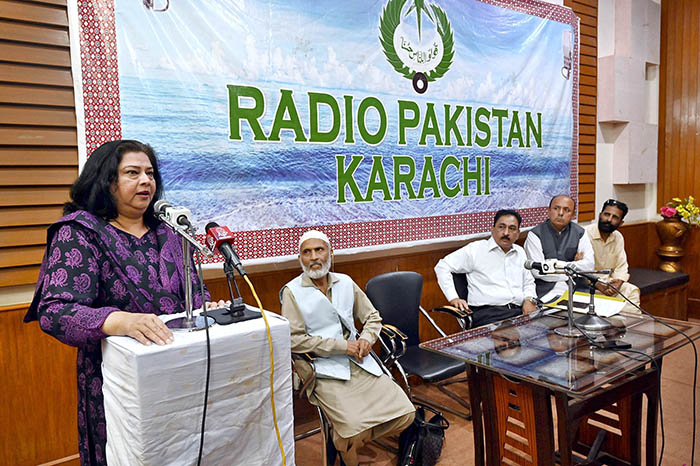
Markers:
point(619, 35)
point(628, 32)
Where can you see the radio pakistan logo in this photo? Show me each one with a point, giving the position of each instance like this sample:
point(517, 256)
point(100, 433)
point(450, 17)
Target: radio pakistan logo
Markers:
point(421, 59)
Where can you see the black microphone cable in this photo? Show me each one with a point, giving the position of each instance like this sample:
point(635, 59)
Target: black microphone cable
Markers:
point(659, 398)
point(597, 344)
point(621, 351)
point(695, 373)
point(200, 276)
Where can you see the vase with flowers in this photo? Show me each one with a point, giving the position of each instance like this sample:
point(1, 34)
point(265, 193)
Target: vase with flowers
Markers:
point(678, 216)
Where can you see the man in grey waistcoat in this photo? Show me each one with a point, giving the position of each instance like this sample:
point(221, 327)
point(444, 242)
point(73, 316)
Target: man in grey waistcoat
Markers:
point(359, 400)
point(558, 238)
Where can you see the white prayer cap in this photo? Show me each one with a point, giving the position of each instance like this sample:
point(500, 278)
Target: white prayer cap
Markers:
point(314, 234)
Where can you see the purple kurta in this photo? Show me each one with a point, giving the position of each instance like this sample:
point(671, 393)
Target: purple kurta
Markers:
point(90, 270)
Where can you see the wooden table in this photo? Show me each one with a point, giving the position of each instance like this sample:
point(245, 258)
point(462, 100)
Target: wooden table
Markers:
point(517, 366)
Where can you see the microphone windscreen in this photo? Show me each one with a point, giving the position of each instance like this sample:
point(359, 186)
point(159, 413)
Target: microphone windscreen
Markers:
point(528, 264)
point(160, 206)
point(210, 225)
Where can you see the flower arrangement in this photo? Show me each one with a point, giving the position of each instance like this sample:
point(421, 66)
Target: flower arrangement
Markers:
point(683, 208)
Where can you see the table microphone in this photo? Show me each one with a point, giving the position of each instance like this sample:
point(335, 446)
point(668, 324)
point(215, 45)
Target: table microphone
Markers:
point(548, 266)
point(221, 238)
point(175, 215)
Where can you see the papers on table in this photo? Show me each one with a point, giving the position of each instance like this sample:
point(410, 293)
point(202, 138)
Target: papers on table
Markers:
point(605, 306)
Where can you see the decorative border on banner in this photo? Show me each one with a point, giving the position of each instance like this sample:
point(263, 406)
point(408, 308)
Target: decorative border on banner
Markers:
point(537, 8)
point(257, 244)
point(100, 72)
point(99, 65)
point(564, 15)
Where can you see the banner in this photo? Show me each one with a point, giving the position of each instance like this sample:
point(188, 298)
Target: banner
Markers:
point(378, 122)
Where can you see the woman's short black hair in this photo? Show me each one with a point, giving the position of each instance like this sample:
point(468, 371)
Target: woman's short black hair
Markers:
point(92, 191)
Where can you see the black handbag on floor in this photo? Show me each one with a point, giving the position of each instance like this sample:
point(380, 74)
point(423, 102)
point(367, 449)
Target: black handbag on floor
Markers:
point(421, 443)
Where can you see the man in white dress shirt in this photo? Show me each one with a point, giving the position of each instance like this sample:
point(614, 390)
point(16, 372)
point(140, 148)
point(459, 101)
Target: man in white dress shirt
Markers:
point(561, 239)
point(499, 286)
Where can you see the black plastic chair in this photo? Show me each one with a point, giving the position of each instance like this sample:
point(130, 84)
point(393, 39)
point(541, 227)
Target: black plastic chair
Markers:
point(397, 295)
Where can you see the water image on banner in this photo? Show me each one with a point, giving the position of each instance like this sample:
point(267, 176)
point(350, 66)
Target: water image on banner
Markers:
point(279, 114)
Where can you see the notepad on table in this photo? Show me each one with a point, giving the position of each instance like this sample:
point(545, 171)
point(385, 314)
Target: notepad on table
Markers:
point(605, 306)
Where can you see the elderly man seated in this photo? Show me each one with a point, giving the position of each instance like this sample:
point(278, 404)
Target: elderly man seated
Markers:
point(359, 400)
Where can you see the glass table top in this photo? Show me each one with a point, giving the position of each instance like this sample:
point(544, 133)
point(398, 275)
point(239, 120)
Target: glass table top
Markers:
point(527, 347)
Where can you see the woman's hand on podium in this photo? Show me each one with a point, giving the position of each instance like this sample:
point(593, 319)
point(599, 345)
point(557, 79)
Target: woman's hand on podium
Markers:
point(145, 328)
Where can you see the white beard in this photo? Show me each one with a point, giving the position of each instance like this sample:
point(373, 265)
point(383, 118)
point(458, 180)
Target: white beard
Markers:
point(315, 274)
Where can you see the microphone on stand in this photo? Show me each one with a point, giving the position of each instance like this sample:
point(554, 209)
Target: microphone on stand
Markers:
point(221, 238)
point(554, 266)
point(546, 267)
point(592, 275)
point(179, 219)
point(173, 215)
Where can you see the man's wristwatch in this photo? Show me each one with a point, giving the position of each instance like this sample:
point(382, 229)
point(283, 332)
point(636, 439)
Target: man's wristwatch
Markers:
point(533, 300)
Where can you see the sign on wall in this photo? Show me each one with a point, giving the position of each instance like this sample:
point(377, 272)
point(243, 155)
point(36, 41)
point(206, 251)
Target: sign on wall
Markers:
point(379, 122)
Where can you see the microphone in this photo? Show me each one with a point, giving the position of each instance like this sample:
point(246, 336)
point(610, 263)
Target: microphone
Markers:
point(591, 276)
point(173, 215)
point(548, 266)
point(160, 206)
point(220, 238)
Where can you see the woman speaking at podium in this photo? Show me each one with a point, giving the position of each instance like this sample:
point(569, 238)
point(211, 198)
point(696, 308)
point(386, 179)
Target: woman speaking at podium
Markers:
point(110, 268)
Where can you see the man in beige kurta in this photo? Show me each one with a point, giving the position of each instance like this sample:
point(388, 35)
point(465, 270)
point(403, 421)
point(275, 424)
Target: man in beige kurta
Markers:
point(609, 252)
point(366, 406)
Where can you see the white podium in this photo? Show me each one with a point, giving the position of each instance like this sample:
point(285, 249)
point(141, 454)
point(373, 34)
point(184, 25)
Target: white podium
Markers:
point(153, 397)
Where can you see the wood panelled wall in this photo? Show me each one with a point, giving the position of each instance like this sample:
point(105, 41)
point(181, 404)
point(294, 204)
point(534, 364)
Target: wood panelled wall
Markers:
point(587, 11)
point(38, 409)
point(38, 139)
point(679, 122)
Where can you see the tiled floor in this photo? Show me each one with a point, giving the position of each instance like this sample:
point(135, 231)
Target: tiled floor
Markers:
point(677, 404)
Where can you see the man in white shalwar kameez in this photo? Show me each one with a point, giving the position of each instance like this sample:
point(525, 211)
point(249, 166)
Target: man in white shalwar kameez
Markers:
point(359, 400)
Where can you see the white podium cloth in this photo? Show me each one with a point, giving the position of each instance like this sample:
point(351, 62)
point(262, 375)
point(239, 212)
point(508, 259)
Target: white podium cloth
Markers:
point(153, 397)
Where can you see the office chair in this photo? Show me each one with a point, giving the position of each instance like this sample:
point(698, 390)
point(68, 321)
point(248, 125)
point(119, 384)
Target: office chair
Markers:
point(396, 295)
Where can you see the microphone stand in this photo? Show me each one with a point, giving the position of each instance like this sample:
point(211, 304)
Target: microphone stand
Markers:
point(237, 311)
point(236, 302)
point(188, 323)
point(591, 321)
point(570, 330)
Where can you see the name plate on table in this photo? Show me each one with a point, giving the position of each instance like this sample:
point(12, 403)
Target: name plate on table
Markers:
point(154, 397)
